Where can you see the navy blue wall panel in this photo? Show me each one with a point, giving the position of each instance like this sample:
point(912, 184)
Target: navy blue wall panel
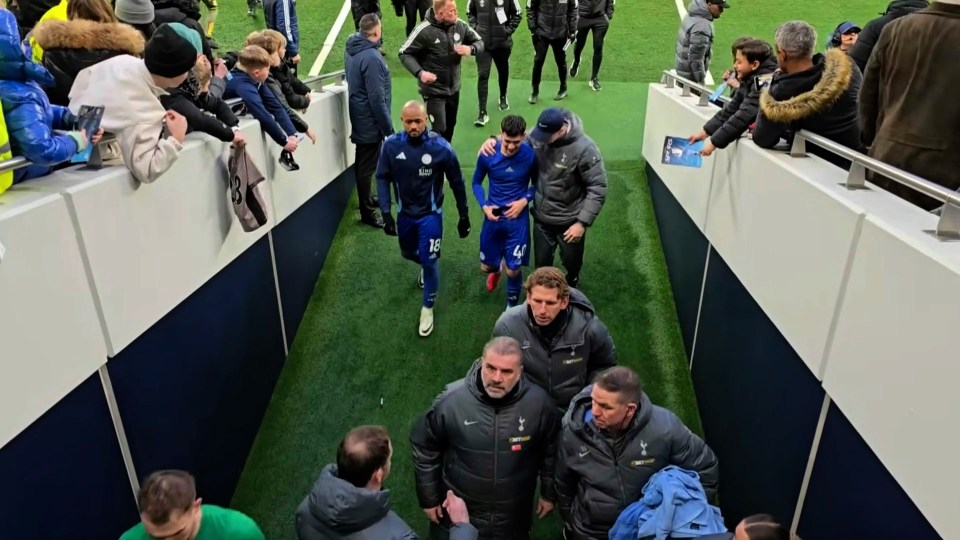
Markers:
point(64, 477)
point(851, 494)
point(759, 403)
point(685, 250)
point(301, 243)
point(193, 389)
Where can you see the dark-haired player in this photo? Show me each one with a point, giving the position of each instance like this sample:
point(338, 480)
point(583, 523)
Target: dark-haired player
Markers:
point(505, 236)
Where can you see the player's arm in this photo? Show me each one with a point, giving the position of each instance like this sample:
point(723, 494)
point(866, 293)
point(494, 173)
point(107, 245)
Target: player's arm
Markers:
point(384, 178)
point(479, 174)
point(428, 441)
point(455, 178)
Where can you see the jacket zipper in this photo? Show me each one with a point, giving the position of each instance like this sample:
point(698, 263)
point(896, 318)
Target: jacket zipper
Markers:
point(496, 445)
point(616, 466)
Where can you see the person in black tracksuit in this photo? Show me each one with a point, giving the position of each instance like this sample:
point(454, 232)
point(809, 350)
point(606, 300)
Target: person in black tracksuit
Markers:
point(359, 8)
point(432, 53)
point(495, 21)
point(411, 8)
point(553, 23)
point(488, 437)
point(595, 15)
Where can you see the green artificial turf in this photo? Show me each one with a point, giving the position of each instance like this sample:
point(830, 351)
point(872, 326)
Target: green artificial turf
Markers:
point(358, 340)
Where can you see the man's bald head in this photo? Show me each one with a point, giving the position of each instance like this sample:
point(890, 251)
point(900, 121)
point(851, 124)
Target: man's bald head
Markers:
point(364, 456)
point(414, 118)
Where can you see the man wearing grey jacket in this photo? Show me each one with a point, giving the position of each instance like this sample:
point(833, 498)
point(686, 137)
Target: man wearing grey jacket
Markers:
point(565, 346)
point(348, 500)
point(614, 439)
point(570, 189)
point(695, 39)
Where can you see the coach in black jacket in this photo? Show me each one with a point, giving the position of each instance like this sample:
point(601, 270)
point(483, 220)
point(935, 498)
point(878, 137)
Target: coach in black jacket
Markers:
point(552, 24)
point(432, 53)
point(613, 441)
point(495, 21)
point(487, 438)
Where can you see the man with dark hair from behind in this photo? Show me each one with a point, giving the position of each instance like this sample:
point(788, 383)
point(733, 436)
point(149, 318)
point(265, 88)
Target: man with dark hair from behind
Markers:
point(615, 413)
point(348, 500)
point(505, 236)
point(755, 527)
point(170, 509)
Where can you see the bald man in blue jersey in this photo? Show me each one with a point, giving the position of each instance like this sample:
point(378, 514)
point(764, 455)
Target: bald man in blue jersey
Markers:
point(414, 162)
point(505, 236)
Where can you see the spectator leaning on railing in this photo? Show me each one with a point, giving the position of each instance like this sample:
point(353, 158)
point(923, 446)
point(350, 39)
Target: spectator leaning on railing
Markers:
point(89, 36)
point(29, 117)
point(150, 138)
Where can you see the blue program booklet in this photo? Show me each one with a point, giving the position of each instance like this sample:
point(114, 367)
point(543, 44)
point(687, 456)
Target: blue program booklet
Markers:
point(88, 119)
point(677, 151)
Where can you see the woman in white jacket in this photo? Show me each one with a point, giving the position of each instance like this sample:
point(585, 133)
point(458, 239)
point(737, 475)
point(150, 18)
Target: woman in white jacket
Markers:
point(150, 137)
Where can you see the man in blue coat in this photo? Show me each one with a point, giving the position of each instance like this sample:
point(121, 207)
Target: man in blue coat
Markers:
point(368, 80)
point(415, 162)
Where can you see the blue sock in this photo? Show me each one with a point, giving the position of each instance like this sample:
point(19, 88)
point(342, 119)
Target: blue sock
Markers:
point(431, 282)
point(514, 284)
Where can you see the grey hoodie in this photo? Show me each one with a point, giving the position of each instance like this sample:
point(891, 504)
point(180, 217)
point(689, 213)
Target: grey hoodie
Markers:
point(336, 509)
point(582, 349)
point(694, 41)
point(571, 182)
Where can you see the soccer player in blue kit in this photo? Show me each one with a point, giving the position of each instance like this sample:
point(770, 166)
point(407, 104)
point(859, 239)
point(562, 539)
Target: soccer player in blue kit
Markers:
point(505, 236)
point(415, 161)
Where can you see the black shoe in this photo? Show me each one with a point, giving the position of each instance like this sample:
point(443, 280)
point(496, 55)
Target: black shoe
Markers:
point(575, 68)
point(373, 220)
point(533, 98)
point(482, 119)
point(562, 94)
point(504, 104)
point(573, 281)
point(595, 84)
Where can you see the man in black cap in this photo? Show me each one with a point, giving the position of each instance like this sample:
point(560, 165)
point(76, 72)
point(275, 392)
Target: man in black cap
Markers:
point(150, 138)
point(695, 39)
point(570, 191)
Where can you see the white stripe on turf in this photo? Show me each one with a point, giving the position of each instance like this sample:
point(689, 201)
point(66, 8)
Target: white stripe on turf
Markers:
point(331, 39)
point(683, 13)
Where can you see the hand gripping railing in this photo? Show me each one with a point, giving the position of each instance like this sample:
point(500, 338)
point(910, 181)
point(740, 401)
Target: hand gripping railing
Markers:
point(948, 227)
point(315, 83)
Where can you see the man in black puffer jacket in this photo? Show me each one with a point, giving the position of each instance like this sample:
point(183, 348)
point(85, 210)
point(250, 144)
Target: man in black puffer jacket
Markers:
point(595, 16)
point(432, 53)
point(868, 37)
point(613, 441)
point(810, 92)
point(495, 21)
point(487, 438)
point(553, 25)
point(349, 502)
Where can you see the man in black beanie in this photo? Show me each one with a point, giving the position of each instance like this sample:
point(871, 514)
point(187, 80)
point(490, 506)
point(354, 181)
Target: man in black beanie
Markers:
point(150, 137)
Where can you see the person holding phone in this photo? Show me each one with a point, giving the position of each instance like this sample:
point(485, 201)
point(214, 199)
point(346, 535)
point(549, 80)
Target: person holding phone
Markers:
point(505, 236)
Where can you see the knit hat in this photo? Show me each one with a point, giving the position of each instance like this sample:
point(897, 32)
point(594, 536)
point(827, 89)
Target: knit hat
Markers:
point(134, 11)
point(168, 53)
point(189, 34)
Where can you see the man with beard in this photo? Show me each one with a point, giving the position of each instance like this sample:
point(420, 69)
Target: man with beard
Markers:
point(415, 161)
point(432, 54)
point(487, 437)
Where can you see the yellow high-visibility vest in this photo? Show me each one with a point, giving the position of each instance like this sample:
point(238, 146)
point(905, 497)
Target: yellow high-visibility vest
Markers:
point(56, 13)
point(6, 178)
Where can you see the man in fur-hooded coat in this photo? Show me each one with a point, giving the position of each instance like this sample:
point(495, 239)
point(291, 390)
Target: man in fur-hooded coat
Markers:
point(820, 98)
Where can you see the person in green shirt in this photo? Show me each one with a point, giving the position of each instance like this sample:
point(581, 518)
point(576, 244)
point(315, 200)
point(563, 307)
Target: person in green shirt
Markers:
point(170, 510)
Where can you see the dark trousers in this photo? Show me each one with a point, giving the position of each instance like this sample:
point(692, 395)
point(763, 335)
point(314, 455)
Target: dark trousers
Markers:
point(501, 57)
point(442, 111)
point(366, 166)
point(546, 239)
point(438, 532)
point(540, 56)
point(599, 28)
point(412, 8)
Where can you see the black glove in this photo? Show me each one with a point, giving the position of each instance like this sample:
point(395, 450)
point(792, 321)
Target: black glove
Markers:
point(389, 225)
point(463, 226)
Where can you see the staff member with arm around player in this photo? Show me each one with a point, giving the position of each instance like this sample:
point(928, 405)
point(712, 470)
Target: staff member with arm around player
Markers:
point(487, 438)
